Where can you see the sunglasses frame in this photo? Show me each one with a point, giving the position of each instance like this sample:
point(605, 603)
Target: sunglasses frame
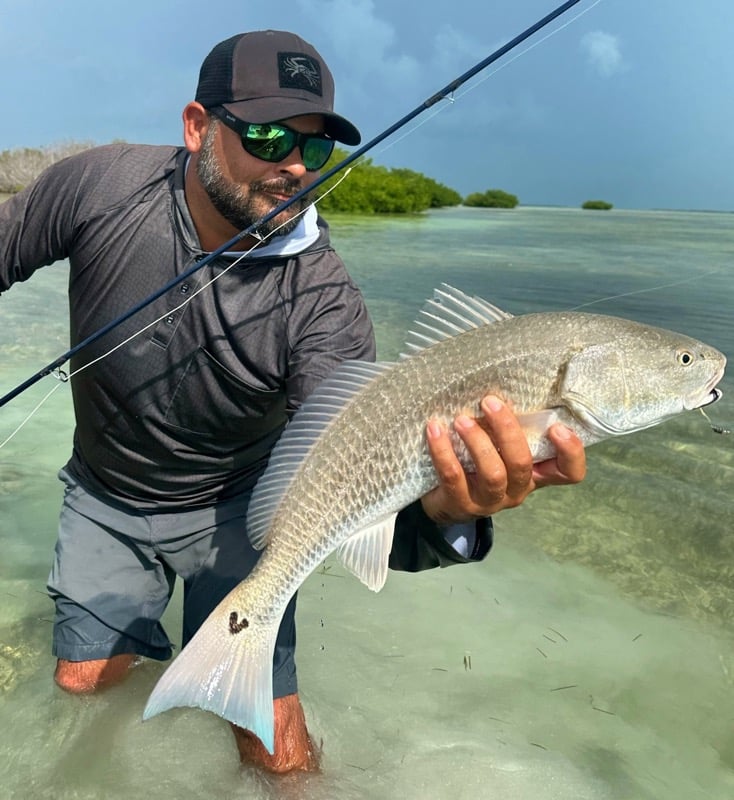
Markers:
point(300, 140)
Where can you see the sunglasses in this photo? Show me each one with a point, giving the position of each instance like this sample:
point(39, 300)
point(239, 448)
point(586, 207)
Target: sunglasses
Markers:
point(272, 141)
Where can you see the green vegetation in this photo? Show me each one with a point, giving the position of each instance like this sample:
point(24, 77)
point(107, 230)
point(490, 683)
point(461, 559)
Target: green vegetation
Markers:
point(492, 198)
point(22, 165)
point(370, 189)
point(597, 205)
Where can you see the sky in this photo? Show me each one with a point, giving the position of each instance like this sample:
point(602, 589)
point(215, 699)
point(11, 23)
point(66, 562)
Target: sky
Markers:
point(628, 101)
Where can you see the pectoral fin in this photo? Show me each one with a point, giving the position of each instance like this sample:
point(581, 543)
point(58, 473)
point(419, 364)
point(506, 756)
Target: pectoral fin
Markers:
point(536, 423)
point(366, 553)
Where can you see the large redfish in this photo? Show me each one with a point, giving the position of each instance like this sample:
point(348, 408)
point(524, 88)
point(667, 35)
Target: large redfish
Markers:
point(355, 454)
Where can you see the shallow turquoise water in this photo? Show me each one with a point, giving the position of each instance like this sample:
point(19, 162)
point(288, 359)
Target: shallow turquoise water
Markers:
point(590, 656)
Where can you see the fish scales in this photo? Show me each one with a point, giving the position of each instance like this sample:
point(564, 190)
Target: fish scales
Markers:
point(399, 405)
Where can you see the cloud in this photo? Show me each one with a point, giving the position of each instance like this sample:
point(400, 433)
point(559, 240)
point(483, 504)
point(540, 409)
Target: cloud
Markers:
point(602, 50)
point(366, 44)
point(378, 77)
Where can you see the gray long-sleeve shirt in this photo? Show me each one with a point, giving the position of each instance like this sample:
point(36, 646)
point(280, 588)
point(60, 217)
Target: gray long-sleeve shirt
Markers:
point(187, 412)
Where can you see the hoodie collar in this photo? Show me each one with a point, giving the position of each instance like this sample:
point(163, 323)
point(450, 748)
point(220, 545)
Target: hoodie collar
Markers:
point(301, 237)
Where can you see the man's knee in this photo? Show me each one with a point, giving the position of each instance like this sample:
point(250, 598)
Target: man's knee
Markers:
point(84, 677)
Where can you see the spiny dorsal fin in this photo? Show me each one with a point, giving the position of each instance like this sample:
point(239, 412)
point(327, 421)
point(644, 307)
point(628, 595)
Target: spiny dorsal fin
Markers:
point(307, 425)
point(448, 314)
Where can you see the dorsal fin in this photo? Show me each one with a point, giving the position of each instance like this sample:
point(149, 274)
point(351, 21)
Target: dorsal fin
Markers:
point(307, 425)
point(449, 313)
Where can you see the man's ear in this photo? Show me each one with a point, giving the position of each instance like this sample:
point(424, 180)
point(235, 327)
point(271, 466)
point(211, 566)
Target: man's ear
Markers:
point(195, 126)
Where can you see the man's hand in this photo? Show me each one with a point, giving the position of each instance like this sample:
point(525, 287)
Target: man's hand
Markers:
point(505, 474)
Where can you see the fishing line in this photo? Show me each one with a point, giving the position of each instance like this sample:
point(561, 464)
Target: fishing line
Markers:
point(540, 41)
point(31, 414)
point(452, 99)
point(715, 428)
point(446, 92)
point(648, 289)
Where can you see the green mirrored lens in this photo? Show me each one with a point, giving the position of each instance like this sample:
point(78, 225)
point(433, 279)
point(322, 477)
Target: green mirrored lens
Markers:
point(316, 152)
point(269, 142)
point(272, 142)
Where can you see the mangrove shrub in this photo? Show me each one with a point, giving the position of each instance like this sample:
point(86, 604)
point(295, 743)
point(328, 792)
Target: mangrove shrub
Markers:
point(371, 189)
point(597, 205)
point(492, 198)
point(22, 165)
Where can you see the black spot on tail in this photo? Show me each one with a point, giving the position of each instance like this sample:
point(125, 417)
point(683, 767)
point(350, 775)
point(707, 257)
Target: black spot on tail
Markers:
point(235, 626)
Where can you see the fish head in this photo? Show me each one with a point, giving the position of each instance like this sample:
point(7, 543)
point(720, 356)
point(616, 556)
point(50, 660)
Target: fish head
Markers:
point(639, 378)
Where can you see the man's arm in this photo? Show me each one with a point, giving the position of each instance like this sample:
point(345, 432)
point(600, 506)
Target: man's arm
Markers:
point(36, 224)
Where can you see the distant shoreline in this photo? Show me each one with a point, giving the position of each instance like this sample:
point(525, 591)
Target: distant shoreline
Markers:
point(5, 196)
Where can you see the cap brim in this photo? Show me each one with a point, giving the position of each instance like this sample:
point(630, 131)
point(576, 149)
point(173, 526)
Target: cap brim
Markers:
point(274, 109)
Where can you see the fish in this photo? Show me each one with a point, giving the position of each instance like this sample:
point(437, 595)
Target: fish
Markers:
point(355, 454)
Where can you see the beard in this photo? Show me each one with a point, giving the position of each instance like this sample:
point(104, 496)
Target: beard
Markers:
point(244, 206)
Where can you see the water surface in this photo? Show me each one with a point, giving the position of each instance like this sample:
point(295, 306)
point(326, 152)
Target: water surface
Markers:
point(590, 656)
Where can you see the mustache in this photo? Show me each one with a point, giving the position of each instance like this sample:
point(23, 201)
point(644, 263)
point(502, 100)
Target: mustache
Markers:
point(285, 186)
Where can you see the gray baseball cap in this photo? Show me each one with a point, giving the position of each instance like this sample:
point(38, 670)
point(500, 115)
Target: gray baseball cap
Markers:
point(267, 76)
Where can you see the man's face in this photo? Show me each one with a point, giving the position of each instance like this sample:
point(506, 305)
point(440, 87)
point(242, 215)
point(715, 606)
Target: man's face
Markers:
point(244, 188)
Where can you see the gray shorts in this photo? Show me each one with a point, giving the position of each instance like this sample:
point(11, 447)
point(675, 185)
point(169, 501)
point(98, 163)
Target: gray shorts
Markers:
point(114, 572)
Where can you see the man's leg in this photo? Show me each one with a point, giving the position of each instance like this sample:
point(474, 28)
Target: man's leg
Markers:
point(84, 677)
point(118, 604)
point(109, 589)
point(294, 749)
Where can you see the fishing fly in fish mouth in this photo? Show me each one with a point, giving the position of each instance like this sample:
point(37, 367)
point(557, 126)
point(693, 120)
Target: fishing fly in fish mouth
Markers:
point(179, 443)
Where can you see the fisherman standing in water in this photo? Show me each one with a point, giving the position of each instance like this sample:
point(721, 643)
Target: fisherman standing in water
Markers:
point(174, 428)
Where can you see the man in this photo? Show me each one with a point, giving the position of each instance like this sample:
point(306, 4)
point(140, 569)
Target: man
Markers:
point(174, 427)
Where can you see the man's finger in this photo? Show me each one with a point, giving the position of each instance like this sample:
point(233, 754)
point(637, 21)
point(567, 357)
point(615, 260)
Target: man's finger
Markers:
point(510, 442)
point(569, 465)
point(445, 462)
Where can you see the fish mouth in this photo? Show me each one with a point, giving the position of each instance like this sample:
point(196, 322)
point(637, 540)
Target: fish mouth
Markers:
point(712, 397)
point(711, 394)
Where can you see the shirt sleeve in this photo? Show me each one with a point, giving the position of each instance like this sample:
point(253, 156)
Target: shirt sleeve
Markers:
point(36, 225)
point(419, 543)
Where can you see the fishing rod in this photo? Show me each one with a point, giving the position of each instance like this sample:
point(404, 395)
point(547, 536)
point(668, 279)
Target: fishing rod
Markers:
point(444, 93)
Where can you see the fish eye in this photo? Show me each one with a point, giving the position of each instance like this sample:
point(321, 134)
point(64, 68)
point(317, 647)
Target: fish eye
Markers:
point(685, 357)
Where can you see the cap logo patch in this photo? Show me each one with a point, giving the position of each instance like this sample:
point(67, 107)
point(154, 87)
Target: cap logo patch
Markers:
point(299, 71)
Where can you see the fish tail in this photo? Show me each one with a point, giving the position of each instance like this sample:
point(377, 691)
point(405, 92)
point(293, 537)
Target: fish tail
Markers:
point(226, 668)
